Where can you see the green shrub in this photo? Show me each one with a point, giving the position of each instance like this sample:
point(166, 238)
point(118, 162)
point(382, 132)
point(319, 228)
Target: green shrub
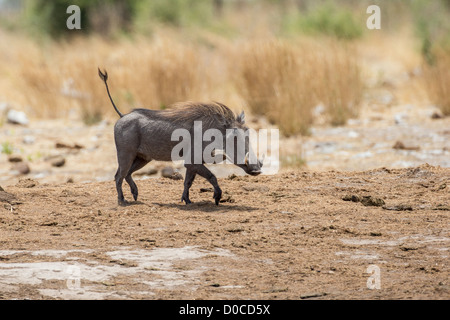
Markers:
point(7, 148)
point(45, 17)
point(176, 13)
point(327, 19)
point(432, 27)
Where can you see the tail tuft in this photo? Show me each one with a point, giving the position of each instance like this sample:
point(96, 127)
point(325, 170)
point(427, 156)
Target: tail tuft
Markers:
point(103, 75)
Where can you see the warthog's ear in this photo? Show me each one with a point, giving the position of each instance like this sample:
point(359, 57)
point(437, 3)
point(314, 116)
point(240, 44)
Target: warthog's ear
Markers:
point(241, 117)
point(231, 133)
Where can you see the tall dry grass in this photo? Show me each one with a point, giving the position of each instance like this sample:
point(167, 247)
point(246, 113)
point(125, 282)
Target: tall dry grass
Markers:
point(437, 80)
point(285, 81)
point(340, 87)
point(282, 80)
point(151, 74)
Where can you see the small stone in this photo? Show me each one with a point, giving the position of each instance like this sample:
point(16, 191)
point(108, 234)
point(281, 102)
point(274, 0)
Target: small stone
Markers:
point(17, 117)
point(365, 200)
point(352, 197)
point(408, 248)
point(167, 172)
point(399, 207)
point(442, 207)
point(28, 139)
point(398, 145)
point(22, 168)
point(57, 161)
point(14, 158)
point(401, 146)
point(60, 145)
point(372, 201)
point(436, 115)
point(226, 198)
point(26, 183)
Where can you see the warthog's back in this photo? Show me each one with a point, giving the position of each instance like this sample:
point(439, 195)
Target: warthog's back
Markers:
point(150, 131)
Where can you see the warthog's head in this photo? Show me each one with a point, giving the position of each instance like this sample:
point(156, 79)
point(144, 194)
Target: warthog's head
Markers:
point(242, 154)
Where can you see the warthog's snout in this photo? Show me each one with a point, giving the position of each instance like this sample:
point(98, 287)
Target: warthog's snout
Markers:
point(252, 169)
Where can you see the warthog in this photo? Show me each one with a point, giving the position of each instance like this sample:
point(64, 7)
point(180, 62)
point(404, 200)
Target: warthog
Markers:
point(144, 135)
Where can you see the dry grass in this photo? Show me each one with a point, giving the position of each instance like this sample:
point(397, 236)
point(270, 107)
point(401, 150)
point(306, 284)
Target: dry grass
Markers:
point(340, 87)
point(151, 74)
point(285, 81)
point(273, 82)
point(437, 79)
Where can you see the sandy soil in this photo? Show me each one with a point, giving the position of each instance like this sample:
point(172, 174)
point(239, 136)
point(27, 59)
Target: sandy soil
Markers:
point(296, 235)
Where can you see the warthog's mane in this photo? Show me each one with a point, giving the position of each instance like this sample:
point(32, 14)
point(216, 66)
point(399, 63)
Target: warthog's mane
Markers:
point(211, 114)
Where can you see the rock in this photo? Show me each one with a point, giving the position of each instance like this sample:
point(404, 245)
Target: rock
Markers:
point(408, 248)
point(400, 118)
point(398, 145)
point(167, 172)
point(13, 158)
point(352, 197)
point(372, 201)
point(28, 139)
point(375, 234)
point(365, 200)
point(399, 207)
point(401, 146)
point(227, 198)
point(17, 117)
point(22, 167)
point(176, 176)
point(56, 161)
point(235, 229)
point(436, 115)
point(26, 183)
point(442, 207)
point(313, 295)
point(67, 146)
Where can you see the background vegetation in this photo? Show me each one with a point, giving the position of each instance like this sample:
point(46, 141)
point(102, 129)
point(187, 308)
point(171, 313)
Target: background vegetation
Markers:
point(278, 59)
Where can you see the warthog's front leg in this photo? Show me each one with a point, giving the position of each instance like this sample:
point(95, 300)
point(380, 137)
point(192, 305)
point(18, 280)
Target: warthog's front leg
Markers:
point(208, 175)
point(190, 176)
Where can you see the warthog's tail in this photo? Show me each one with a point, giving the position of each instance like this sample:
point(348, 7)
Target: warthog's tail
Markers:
point(104, 77)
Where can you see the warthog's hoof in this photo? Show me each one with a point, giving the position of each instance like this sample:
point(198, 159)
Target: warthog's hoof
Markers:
point(185, 199)
point(217, 195)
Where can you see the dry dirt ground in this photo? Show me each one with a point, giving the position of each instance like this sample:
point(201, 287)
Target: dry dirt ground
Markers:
point(295, 235)
point(287, 236)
